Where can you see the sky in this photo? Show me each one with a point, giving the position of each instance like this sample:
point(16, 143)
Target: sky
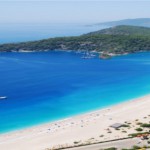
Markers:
point(61, 11)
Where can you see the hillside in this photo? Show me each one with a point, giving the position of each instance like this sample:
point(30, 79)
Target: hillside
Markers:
point(116, 40)
point(145, 22)
point(124, 30)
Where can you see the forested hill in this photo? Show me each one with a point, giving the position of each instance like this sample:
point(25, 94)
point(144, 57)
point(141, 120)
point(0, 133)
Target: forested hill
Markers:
point(115, 40)
point(124, 30)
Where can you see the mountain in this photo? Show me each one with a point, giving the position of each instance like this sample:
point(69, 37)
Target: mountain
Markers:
point(123, 30)
point(109, 42)
point(145, 22)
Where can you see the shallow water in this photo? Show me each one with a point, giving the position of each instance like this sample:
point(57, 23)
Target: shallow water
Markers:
point(47, 86)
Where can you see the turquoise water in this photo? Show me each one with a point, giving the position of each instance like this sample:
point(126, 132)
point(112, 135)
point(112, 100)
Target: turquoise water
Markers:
point(48, 86)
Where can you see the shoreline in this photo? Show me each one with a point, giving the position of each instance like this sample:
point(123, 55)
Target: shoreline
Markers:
point(72, 116)
point(79, 124)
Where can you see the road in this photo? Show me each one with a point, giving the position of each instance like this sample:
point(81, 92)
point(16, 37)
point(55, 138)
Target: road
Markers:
point(127, 143)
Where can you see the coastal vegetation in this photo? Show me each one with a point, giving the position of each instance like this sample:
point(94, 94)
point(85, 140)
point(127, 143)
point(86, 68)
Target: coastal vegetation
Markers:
point(124, 30)
point(135, 147)
point(109, 42)
point(146, 125)
point(139, 129)
point(141, 133)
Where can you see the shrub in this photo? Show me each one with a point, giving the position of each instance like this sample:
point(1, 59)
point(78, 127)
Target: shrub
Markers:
point(76, 142)
point(136, 147)
point(136, 134)
point(145, 125)
point(139, 123)
point(125, 125)
point(139, 129)
point(111, 148)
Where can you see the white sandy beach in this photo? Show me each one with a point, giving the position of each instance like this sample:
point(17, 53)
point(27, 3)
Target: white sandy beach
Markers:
point(83, 128)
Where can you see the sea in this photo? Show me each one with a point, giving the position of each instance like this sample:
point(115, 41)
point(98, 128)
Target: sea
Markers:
point(21, 32)
point(43, 87)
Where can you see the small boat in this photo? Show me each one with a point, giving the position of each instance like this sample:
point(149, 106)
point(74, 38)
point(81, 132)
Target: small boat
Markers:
point(3, 97)
point(88, 55)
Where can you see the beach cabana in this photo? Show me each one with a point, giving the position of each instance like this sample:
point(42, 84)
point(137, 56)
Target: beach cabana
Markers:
point(116, 125)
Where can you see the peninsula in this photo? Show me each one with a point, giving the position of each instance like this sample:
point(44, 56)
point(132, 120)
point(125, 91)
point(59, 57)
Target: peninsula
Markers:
point(111, 41)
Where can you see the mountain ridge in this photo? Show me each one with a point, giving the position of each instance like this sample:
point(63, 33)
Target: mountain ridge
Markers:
point(145, 22)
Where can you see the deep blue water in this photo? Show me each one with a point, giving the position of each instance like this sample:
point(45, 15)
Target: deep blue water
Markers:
point(47, 86)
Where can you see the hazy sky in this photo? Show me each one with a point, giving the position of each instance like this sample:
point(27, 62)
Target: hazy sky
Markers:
point(60, 11)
